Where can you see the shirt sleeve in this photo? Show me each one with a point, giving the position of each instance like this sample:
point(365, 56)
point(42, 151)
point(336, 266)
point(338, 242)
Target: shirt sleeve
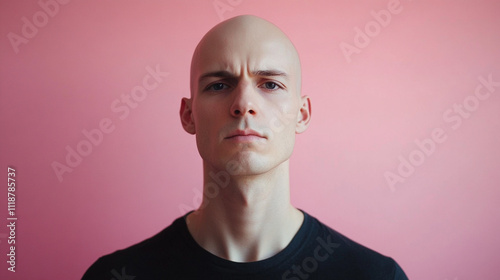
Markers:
point(399, 274)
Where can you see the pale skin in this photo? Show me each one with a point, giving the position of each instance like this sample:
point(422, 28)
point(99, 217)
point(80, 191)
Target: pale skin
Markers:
point(245, 110)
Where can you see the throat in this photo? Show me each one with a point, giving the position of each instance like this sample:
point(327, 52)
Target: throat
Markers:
point(245, 239)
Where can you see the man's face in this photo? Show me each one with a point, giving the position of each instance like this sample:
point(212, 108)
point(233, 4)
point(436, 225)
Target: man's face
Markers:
point(246, 105)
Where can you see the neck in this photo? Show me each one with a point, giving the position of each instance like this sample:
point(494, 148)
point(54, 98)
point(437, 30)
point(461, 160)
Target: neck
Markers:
point(245, 218)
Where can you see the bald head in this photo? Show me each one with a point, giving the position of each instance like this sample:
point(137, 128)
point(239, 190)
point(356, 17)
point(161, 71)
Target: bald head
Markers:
point(245, 44)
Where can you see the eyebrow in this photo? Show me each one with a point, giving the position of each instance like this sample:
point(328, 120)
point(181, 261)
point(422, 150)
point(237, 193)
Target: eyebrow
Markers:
point(217, 74)
point(226, 74)
point(270, 73)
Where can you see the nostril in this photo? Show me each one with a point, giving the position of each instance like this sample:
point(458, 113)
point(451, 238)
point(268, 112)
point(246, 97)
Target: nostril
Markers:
point(251, 111)
point(236, 112)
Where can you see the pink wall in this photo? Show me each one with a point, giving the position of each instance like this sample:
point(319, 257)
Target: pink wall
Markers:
point(414, 76)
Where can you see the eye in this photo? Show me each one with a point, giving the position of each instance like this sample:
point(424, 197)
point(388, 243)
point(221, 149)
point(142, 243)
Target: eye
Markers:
point(217, 87)
point(271, 85)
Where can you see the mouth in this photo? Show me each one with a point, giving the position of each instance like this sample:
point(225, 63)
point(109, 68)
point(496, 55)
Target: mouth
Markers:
point(246, 135)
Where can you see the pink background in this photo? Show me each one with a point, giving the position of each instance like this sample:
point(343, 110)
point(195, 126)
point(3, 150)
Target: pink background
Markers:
point(442, 222)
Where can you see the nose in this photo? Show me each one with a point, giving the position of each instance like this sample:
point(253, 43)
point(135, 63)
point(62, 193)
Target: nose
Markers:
point(244, 101)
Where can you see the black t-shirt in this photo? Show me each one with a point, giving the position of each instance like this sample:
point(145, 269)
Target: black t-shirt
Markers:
point(316, 252)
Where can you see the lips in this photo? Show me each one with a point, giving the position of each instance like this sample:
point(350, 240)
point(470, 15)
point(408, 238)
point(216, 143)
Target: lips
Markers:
point(245, 134)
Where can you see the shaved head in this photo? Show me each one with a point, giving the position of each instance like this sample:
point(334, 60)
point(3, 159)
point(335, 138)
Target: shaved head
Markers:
point(245, 43)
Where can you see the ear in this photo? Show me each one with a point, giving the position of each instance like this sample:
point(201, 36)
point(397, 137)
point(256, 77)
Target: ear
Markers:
point(186, 114)
point(304, 116)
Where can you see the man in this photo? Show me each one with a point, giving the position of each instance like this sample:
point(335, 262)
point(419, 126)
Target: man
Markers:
point(245, 109)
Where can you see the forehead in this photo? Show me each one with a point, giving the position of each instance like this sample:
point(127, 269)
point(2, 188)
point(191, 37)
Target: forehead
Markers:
point(240, 53)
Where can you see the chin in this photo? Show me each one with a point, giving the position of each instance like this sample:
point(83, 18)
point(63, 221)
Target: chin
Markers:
point(252, 166)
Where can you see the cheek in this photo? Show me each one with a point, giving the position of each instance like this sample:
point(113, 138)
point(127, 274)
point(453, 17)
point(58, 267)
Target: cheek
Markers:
point(209, 121)
point(282, 123)
point(286, 115)
point(206, 132)
point(202, 113)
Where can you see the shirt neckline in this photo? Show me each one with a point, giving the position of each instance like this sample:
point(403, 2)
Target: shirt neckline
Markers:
point(296, 245)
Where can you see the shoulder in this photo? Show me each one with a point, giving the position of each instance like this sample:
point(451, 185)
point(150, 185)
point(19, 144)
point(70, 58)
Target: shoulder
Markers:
point(147, 255)
point(354, 258)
